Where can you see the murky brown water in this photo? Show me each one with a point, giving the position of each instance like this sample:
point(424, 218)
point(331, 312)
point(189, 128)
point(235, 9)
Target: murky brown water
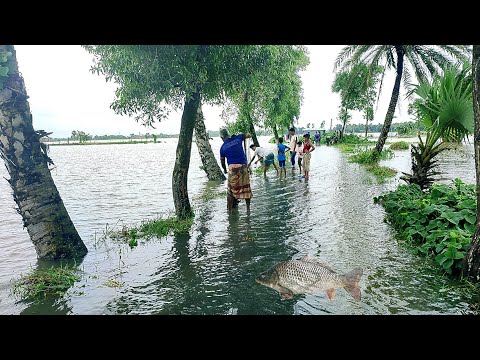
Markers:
point(212, 269)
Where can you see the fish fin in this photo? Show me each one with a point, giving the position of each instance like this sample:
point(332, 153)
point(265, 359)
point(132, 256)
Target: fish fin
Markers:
point(314, 260)
point(351, 283)
point(331, 294)
point(286, 293)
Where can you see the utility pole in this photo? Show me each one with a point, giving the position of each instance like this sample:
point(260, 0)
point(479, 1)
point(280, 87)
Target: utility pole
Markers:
point(331, 120)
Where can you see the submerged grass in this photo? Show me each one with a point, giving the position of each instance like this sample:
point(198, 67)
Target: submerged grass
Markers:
point(399, 145)
point(207, 196)
point(160, 227)
point(360, 154)
point(41, 283)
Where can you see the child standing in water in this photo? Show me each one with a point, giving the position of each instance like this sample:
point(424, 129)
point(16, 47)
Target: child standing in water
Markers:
point(281, 156)
point(307, 149)
point(300, 155)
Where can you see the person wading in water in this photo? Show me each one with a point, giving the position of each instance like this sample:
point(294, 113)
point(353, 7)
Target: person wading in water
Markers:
point(238, 178)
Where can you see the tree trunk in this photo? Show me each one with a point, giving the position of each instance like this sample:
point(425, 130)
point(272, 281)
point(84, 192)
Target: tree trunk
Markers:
point(366, 126)
point(39, 203)
point(473, 256)
point(209, 162)
point(275, 132)
point(344, 125)
point(393, 104)
point(182, 161)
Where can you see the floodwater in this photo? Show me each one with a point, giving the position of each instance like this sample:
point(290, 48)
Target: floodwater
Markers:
point(212, 269)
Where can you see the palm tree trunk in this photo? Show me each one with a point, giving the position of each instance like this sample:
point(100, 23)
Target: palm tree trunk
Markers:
point(473, 256)
point(393, 103)
point(275, 132)
point(182, 161)
point(366, 126)
point(209, 162)
point(344, 124)
point(39, 203)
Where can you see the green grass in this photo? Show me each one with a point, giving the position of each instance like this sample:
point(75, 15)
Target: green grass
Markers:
point(366, 156)
point(381, 172)
point(153, 228)
point(43, 282)
point(210, 195)
point(399, 145)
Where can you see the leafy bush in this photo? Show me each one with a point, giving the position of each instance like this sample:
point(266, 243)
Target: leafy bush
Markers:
point(439, 223)
point(366, 156)
point(355, 139)
point(399, 145)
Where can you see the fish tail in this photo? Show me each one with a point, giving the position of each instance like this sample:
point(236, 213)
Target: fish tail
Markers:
point(351, 283)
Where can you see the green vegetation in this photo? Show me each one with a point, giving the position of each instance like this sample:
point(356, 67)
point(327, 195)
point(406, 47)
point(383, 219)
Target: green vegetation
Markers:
point(153, 228)
point(445, 106)
point(424, 60)
point(210, 195)
point(399, 145)
point(44, 282)
point(357, 88)
point(367, 156)
point(438, 223)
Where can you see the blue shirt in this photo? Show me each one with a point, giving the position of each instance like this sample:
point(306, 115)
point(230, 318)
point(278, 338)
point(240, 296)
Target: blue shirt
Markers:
point(281, 152)
point(232, 150)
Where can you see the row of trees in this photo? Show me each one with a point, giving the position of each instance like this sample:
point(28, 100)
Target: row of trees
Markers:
point(443, 105)
point(261, 82)
point(402, 128)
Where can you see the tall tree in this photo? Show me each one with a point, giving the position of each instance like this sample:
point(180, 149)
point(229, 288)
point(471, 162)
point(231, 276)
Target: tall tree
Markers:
point(424, 60)
point(271, 93)
point(473, 256)
point(151, 77)
point(39, 203)
point(209, 162)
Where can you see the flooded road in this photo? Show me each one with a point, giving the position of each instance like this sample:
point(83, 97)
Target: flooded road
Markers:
point(212, 269)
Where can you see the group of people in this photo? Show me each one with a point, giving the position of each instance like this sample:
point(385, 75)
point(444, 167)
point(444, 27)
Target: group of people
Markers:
point(238, 168)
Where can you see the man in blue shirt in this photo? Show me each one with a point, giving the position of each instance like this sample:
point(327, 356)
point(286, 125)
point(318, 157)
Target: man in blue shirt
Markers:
point(238, 178)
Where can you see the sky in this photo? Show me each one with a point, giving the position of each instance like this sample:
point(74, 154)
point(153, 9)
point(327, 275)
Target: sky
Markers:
point(64, 95)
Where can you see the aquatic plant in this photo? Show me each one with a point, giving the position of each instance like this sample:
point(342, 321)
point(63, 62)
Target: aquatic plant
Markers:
point(399, 145)
point(43, 282)
point(438, 223)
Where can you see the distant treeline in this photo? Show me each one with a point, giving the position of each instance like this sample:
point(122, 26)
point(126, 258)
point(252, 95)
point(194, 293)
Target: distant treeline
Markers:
point(120, 137)
point(216, 133)
point(406, 127)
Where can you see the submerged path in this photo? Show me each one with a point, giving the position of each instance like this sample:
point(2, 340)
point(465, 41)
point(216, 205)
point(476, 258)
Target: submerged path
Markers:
point(212, 269)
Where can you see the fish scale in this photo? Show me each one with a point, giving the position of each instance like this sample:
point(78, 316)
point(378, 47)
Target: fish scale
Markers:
point(309, 275)
point(300, 276)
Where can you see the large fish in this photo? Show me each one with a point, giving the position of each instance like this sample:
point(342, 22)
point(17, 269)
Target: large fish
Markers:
point(309, 275)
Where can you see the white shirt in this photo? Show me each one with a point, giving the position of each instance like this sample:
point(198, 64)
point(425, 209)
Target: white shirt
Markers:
point(300, 150)
point(261, 151)
point(293, 141)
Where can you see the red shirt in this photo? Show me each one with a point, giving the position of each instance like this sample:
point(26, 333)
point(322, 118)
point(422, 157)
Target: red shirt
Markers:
point(307, 146)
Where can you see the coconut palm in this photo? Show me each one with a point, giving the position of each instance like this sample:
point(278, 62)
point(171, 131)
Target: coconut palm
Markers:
point(423, 60)
point(445, 106)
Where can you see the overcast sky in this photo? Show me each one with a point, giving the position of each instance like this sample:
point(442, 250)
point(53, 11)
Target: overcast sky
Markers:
point(65, 95)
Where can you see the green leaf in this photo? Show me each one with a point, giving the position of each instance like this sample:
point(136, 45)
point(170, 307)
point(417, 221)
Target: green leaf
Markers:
point(470, 228)
point(471, 219)
point(453, 217)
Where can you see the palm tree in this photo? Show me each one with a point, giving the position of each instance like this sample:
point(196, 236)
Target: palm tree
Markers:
point(445, 106)
point(473, 256)
point(39, 203)
point(424, 60)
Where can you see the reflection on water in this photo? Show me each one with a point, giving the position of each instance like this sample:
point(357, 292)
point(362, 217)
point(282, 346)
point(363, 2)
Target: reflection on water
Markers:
point(212, 269)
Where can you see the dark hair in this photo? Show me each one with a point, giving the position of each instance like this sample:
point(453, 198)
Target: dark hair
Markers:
point(252, 146)
point(292, 129)
point(280, 140)
point(307, 136)
point(299, 142)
